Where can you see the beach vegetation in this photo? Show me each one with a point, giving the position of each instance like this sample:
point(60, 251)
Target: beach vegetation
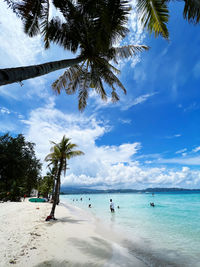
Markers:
point(46, 184)
point(19, 167)
point(59, 156)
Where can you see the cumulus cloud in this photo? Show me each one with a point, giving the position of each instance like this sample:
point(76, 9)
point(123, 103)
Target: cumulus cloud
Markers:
point(111, 166)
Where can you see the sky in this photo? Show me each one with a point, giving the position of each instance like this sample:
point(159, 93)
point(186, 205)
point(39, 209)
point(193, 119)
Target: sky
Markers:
point(150, 138)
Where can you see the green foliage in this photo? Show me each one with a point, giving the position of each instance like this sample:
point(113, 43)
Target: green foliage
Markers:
point(155, 14)
point(46, 184)
point(58, 157)
point(19, 167)
point(191, 11)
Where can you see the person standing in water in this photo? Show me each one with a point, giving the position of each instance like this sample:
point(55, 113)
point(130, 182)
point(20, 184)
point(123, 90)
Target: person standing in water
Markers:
point(112, 207)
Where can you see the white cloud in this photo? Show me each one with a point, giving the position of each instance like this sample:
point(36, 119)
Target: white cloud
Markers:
point(139, 100)
point(102, 166)
point(181, 151)
point(137, 33)
point(124, 103)
point(136, 36)
point(196, 149)
point(4, 110)
point(173, 136)
point(15, 47)
point(125, 121)
point(183, 161)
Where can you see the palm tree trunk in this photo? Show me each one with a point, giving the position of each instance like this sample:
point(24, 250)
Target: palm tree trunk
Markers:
point(56, 190)
point(58, 196)
point(12, 75)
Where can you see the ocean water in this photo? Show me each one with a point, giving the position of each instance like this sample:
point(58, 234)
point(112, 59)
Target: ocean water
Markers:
point(165, 235)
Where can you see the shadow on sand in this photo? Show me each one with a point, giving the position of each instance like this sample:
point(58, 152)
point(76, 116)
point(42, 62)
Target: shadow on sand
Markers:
point(64, 220)
point(65, 263)
point(96, 247)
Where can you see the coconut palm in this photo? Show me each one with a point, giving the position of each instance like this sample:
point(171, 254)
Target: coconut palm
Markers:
point(91, 28)
point(155, 14)
point(61, 152)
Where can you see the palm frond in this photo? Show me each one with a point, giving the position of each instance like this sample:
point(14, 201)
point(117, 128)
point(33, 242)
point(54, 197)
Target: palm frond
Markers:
point(30, 11)
point(127, 51)
point(192, 11)
point(100, 90)
point(45, 23)
point(83, 90)
point(154, 16)
point(12, 5)
point(64, 34)
point(104, 71)
point(69, 81)
point(114, 95)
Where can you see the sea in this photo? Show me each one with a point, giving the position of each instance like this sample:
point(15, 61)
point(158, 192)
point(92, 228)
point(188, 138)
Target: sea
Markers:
point(167, 234)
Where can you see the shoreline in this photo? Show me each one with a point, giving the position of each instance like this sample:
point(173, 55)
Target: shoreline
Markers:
point(74, 239)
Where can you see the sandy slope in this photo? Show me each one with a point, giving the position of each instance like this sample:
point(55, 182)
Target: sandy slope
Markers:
point(73, 240)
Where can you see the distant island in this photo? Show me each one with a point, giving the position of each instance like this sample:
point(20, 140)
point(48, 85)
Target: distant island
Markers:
point(76, 190)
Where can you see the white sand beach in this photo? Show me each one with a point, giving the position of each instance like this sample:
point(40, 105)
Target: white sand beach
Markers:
point(74, 239)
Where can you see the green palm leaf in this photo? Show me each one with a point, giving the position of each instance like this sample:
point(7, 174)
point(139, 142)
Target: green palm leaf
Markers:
point(30, 11)
point(154, 16)
point(45, 23)
point(192, 11)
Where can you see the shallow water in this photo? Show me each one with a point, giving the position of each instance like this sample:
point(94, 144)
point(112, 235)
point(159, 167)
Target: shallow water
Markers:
point(165, 235)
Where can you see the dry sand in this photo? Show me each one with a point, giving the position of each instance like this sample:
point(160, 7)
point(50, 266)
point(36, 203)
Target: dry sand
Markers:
point(74, 239)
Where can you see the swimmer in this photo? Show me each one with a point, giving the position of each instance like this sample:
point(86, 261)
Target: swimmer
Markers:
point(112, 207)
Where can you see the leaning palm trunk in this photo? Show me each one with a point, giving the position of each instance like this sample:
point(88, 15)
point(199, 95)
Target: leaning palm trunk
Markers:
point(12, 75)
point(54, 188)
point(56, 191)
point(58, 196)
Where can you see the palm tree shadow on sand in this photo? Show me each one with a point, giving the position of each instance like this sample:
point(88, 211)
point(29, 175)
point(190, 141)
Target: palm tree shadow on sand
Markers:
point(97, 249)
point(99, 252)
point(56, 263)
point(64, 220)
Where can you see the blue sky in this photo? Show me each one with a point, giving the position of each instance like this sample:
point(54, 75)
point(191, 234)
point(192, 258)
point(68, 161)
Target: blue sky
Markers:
point(151, 138)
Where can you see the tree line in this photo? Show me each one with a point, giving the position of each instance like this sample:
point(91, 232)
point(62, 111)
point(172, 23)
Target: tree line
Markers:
point(20, 170)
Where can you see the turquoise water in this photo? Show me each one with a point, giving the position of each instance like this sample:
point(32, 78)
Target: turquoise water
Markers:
point(168, 232)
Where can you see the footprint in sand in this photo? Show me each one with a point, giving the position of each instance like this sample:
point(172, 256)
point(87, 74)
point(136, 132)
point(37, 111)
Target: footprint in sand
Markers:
point(12, 262)
point(33, 248)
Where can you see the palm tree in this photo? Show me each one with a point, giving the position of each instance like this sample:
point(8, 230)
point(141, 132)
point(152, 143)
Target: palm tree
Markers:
point(61, 152)
point(155, 14)
point(92, 28)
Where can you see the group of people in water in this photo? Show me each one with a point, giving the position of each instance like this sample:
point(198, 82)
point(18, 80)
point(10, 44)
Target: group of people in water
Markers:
point(112, 206)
